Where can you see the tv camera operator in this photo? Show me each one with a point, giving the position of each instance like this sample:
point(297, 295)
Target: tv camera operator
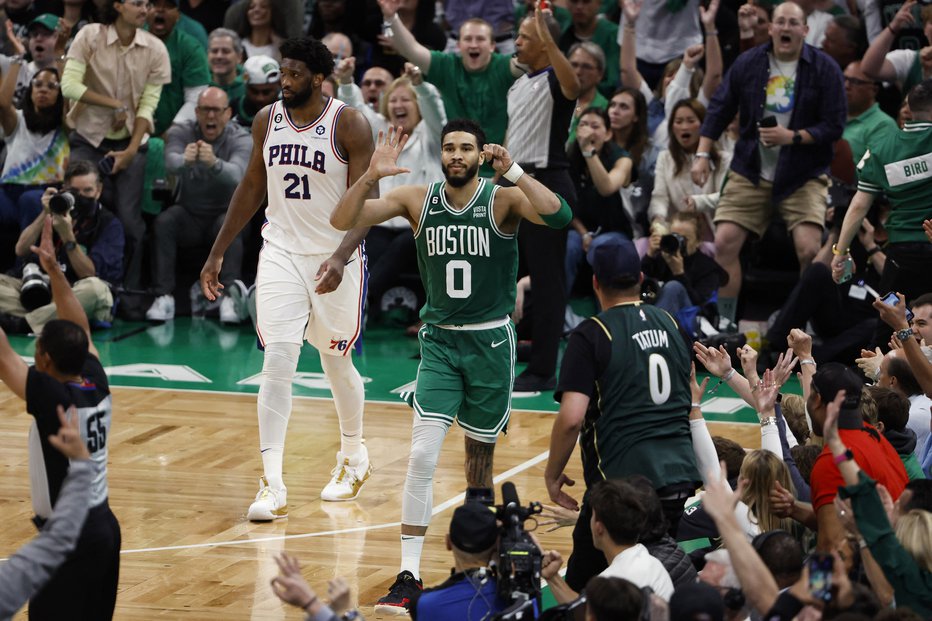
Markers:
point(497, 565)
point(88, 245)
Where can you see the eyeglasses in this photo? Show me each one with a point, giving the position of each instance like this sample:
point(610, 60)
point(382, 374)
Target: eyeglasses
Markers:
point(208, 110)
point(52, 86)
point(139, 4)
point(583, 66)
point(857, 81)
point(377, 83)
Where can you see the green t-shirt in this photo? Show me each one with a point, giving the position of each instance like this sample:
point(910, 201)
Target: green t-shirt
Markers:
point(599, 101)
point(479, 95)
point(866, 129)
point(562, 15)
point(606, 37)
point(236, 89)
point(899, 165)
point(189, 69)
point(468, 266)
point(194, 29)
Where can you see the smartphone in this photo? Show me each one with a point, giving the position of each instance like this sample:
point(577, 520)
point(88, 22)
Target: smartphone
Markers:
point(820, 576)
point(890, 299)
point(768, 121)
point(847, 270)
point(106, 165)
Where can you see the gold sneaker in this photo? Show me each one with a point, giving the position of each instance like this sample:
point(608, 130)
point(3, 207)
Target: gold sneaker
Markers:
point(270, 504)
point(347, 477)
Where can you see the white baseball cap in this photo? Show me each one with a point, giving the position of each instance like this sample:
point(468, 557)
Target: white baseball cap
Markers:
point(261, 70)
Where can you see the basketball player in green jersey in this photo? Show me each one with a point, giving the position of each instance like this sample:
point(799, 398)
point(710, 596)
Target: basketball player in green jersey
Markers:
point(465, 233)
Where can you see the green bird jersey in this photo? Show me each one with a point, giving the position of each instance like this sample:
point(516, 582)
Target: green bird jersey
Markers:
point(468, 266)
point(899, 165)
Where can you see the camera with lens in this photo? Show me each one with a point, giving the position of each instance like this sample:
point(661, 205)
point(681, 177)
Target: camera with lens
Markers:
point(673, 242)
point(62, 203)
point(35, 291)
point(519, 558)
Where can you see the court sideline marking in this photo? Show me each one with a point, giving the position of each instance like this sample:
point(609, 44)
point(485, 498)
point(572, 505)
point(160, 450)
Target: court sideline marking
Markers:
point(437, 509)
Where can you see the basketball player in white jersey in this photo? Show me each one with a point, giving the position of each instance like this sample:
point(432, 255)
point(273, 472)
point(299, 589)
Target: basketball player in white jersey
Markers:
point(307, 150)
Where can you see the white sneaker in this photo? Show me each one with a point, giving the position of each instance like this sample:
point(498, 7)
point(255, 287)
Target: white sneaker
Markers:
point(347, 477)
point(162, 309)
point(240, 295)
point(251, 303)
point(228, 312)
point(270, 504)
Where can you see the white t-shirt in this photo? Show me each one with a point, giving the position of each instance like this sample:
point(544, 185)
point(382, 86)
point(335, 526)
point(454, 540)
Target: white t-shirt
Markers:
point(32, 158)
point(781, 97)
point(919, 421)
point(817, 21)
point(637, 566)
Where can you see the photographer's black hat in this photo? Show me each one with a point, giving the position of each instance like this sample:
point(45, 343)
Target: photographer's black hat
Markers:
point(473, 527)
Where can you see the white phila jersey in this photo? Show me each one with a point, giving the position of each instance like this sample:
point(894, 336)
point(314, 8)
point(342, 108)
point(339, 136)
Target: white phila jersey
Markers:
point(307, 175)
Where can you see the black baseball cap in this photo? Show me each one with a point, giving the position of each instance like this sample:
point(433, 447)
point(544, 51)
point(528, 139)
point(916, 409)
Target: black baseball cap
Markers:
point(473, 527)
point(614, 260)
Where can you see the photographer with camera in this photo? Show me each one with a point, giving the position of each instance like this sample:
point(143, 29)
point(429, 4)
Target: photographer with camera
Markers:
point(471, 592)
point(689, 277)
point(88, 245)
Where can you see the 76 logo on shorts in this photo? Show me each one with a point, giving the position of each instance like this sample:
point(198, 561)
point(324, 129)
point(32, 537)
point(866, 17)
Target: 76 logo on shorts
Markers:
point(338, 345)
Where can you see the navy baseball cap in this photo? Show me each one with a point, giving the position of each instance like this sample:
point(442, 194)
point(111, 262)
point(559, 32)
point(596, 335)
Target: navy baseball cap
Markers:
point(473, 527)
point(614, 260)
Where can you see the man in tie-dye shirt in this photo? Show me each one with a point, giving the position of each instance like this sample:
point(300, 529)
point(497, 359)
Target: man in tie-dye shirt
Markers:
point(791, 101)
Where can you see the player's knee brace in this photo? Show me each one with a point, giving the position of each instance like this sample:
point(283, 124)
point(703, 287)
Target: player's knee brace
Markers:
point(418, 500)
point(274, 402)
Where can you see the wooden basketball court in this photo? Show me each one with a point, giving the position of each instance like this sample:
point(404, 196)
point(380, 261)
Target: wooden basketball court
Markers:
point(184, 468)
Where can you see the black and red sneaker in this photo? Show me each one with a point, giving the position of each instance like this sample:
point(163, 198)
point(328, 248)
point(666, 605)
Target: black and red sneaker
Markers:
point(398, 600)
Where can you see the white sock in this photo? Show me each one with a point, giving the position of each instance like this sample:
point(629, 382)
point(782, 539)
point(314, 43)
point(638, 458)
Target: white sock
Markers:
point(348, 398)
point(274, 407)
point(411, 546)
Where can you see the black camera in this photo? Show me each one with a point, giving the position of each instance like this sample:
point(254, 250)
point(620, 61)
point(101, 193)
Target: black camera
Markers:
point(62, 203)
point(673, 242)
point(35, 291)
point(519, 558)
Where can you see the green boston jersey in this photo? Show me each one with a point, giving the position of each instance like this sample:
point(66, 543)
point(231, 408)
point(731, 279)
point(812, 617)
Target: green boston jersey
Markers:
point(899, 165)
point(639, 423)
point(468, 266)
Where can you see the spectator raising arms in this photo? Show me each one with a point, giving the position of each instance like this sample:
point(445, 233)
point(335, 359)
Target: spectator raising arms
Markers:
point(37, 144)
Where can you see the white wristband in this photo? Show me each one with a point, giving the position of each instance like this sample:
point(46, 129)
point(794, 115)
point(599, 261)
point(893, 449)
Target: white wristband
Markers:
point(513, 173)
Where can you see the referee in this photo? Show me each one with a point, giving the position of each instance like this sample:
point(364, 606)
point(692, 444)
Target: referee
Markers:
point(67, 372)
point(898, 165)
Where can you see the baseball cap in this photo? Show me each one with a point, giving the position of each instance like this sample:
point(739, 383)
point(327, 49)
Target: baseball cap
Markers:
point(614, 260)
point(46, 20)
point(261, 70)
point(473, 527)
point(697, 598)
point(834, 376)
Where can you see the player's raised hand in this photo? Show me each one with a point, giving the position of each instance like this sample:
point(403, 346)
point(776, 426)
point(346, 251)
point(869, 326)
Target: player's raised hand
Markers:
point(927, 228)
point(45, 250)
point(498, 156)
point(388, 147)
